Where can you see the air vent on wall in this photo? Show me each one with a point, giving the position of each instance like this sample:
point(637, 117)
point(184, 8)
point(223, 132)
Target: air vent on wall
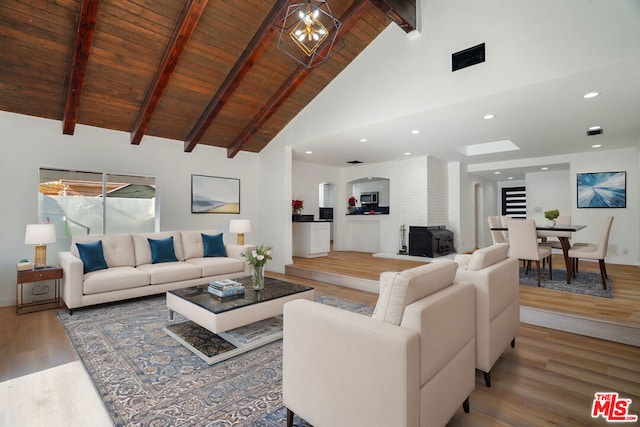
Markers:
point(354, 162)
point(468, 57)
point(592, 132)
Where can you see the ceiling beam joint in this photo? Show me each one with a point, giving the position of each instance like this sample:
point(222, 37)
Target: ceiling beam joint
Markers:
point(402, 12)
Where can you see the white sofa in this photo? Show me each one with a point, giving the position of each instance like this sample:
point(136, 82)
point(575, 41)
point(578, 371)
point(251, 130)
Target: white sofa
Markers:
point(495, 276)
point(411, 364)
point(131, 273)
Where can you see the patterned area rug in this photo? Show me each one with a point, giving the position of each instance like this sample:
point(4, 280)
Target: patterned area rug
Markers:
point(146, 378)
point(586, 282)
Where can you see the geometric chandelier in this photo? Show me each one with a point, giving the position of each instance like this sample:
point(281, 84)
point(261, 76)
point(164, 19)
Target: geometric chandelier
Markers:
point(309, 33)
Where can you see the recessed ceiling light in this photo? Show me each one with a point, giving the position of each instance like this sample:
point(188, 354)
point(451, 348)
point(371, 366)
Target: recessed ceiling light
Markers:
point(590, 95)
point(595, 127)
point(309, 152)
point(488, 116)
point(407, 153)
point(496, 173)
point(415, 132)
point(544, 169)
point(596, 146)
point(363, 139)
point(510, 177)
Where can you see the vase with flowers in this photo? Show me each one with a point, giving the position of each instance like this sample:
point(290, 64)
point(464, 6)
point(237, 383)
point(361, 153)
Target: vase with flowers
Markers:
point(352, 204)
point(257, 260)
point(296, 206)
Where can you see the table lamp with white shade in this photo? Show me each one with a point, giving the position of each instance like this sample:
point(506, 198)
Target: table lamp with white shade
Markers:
point(40, 235)
point(240, 226)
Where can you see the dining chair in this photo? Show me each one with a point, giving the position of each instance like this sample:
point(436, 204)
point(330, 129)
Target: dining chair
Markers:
point(504, 220)
point(497, 235)
point(555, 243)
point(593, 251)
point(523, 244)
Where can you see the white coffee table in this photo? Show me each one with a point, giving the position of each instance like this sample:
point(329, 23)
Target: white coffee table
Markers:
point(219, 330)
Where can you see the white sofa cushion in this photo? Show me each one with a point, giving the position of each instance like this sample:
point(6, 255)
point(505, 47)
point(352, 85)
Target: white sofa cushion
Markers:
point(397, 290)
point(171, 272)
point(483, 258)
point(192, 243)
point(142, 249)
point(117, 248)
point(216, 266)
point(114, 279)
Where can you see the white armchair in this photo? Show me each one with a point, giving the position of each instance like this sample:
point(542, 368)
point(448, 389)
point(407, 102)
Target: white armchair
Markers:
point(496, 279)
point(410, 364)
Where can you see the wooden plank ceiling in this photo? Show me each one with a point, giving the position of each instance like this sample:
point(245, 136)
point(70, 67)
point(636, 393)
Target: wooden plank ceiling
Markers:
point(199, 71)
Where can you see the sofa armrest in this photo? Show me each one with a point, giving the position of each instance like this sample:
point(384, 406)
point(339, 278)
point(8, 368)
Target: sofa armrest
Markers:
point(330, 354)
point(72, 279)
point(236, 251)
point(496, 286)
point(497, 308)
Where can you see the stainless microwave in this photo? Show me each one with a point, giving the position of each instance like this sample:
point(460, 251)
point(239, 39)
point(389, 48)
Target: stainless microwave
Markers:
point(368, 199)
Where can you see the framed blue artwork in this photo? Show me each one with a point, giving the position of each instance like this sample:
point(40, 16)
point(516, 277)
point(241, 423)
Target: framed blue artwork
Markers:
point(602, 190)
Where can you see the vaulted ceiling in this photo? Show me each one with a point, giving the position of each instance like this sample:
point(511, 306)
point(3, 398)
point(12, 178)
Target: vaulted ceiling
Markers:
point(199, 71)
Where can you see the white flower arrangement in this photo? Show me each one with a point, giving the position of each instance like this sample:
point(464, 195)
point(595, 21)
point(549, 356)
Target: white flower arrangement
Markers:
point(259, 256)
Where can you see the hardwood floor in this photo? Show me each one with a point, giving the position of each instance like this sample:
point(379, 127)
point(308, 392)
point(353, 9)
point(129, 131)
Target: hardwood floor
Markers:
point(623, 308)
point(549, 378)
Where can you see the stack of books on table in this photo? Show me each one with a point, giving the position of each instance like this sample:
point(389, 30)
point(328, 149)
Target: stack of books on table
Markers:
point(226, 289)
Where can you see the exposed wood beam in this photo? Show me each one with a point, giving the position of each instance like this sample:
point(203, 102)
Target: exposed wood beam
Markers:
point(402, 12)
point(86, 27)
point(254, 50)
point(295, 79)
point(187, 23)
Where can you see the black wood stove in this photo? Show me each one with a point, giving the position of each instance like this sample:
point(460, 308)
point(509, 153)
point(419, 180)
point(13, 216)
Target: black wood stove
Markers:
point(430, 241)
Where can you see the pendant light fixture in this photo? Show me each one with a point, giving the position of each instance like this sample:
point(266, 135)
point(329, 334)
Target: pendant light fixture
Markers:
point(309, 33)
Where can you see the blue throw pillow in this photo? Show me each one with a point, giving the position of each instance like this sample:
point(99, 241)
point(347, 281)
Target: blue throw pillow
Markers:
point(162, 250)
point(92, 256)
point(213, 245)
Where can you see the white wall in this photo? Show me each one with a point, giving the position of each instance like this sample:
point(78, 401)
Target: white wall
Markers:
point(30, 143)
point(485, 205)
point(437, 191)
point(546, 191)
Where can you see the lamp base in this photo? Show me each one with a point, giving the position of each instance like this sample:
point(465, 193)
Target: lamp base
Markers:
point(41, 256)
point(241, 239)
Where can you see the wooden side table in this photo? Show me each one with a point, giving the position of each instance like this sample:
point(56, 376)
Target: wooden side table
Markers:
point(38, 275)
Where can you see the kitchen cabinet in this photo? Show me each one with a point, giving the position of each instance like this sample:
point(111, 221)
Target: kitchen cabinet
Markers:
point(311, 239)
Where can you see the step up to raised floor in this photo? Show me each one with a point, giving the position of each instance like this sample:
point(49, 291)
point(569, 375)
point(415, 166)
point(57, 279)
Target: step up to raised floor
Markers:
point(333, 278)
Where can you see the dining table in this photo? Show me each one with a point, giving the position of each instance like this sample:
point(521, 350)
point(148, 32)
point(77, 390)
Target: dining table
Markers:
point(564, 241)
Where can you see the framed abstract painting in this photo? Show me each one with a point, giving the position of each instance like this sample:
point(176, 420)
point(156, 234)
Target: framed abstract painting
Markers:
point(214, 194)
point(602, 190)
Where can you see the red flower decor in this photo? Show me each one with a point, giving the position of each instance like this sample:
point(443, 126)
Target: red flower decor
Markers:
point(296, 206)
point(352, 201)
